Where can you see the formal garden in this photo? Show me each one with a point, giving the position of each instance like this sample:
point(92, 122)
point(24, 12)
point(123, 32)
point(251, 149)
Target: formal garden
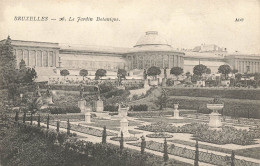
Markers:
point(103, 122)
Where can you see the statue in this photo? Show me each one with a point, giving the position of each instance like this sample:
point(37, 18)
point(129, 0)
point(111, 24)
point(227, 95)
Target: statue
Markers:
point(37, 92)
point(48, 91)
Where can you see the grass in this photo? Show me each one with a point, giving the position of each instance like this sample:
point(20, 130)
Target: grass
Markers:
point(249, 152)
point(111, 124)
point(166, 120)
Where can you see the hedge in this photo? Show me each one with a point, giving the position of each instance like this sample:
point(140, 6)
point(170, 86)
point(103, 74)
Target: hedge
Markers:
point(64, 110)
point(111, 108)
point(232, 107)
point(89, 88)
point(141, 107)
point(250, 94)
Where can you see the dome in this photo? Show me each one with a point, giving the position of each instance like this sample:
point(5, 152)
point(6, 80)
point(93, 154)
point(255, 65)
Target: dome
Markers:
point(151, 38)
point(151, 41)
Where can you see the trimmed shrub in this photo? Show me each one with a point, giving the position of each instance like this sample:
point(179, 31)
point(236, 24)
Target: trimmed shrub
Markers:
point(111, 108)
point(141, 107)
point(64, 110)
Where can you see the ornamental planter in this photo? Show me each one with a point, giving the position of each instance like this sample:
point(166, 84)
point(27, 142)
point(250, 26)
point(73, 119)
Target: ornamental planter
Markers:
point(215, 121)
point(176, 111)
point(122, 112)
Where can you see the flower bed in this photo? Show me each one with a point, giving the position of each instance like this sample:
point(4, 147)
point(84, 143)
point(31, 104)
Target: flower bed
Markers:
point(159, 135)
point(190, 154)
point(202, 132)
point(126, 139)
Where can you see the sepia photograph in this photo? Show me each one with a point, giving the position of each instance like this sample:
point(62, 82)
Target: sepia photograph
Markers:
point(130, 83)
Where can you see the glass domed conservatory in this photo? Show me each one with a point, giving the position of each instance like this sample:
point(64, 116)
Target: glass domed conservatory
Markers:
point(152, 50)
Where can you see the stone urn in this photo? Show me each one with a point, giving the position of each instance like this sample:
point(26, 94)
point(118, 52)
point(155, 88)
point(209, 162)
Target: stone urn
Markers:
point(122, 111)
point(124, 128)
point(215, 120)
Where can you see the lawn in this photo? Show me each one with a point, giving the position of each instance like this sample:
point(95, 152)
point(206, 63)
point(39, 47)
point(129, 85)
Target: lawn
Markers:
point(249, 152)
point(111, 124)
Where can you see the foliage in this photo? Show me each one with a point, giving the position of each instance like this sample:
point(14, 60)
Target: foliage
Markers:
point(141, 107)
point(26, 75)
point(7, 63)
point(208, 71)
point(16, 116)
point(106, 87)
point(100, 73)
point(58, 126)
point(143, 145)
point(64, 110)
point(154, 71)
point(196, 160)
point(83, 73)
point(24, 117)
point(121, 142)
point(64, 72)
point(165, 151)
point(176, 71)
point(48, 121)
point(199, 69)
point(232, 158)
point(104, 135)
point(111, 108)
point(39, 121)
point(224, 69)
point(68, 127)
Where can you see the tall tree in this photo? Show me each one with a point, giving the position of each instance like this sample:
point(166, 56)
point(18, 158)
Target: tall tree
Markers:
point(176, 71)
point(165, 151)
point(48, 121)
point(224, 69)
point(199, 69)
point(64, 72)
point(83, 73)
point(68, 127)
point(196, 161)
point(104, 135)
point(233, 158)
point(39, 120)
point(121, 74)
point(208, 71)
point(154, 71)
point(121, 142)
point(7, 63)
point(143, 145)
point(24, 117)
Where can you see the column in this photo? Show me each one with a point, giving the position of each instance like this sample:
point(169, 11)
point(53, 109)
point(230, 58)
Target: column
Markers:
point(48, 58)
point(29, 58)
point(36, 57)
point(163, 61)
point(132, 62)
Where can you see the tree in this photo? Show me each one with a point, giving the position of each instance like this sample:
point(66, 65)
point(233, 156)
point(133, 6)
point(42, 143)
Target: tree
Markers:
point(208, 71)
point(58, 126)
point(154, 71)
point(83, 73)
point(224, 69)
point(31, 118)
point(199, 69)
point(39, 121)
point(176, 71)
point(24, 117)
point(165, 151)
point(121, 73)
point(26, 75)
point(64, 73)
point(104, 135)
point(100, 73)
point(234, 71)
point(196, 161)
point(7, 63)
point(68, 127)
point(233, 158)
point(121, 142)
point(143, 145)
point(162, 100)
point(16, 116)
point(48, 121)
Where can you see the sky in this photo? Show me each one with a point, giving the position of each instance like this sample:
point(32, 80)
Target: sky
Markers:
point(183, 23)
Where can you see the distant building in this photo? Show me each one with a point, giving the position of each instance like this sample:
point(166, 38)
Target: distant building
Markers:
point(150, 50)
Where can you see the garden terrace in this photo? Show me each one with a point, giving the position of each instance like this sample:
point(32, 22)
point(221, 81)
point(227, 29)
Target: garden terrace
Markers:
point(234, 93)
point(190, 154)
